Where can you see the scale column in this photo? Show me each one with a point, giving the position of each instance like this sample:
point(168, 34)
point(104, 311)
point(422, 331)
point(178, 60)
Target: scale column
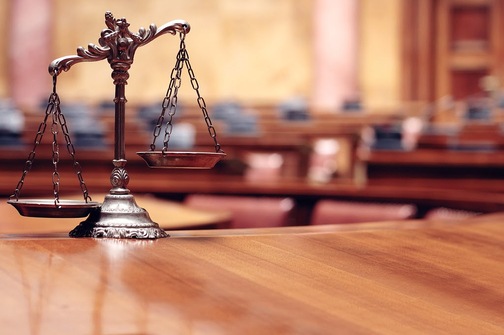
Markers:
point(119, 215)
point(119, 177)
point(120, 107)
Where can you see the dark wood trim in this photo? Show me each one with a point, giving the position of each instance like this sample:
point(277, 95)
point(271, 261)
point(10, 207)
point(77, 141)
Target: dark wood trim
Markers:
point(418, 48)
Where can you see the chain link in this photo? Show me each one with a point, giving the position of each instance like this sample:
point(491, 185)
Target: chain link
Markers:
point(71, 150)
point(202, 103)
point(55, 155)
point(171, 98)
point(53, 109)
point(169, 103)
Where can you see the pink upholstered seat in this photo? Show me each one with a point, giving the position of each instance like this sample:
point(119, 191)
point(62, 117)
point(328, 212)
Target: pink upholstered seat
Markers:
point(448, 214)
point(335, 211)
point(246, 211)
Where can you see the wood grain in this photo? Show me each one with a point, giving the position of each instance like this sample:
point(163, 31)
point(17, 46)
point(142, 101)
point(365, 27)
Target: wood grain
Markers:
point(437, 280)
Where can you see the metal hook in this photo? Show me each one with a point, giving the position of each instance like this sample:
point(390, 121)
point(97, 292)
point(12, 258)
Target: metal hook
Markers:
point(55, 76)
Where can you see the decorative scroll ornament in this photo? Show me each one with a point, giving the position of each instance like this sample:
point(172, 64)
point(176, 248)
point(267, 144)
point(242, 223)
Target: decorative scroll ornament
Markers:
point(119, 177)
point(119, 232)
point(117, 44)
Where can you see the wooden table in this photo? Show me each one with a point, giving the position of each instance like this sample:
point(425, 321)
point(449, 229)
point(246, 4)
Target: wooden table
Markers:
point(432, 278)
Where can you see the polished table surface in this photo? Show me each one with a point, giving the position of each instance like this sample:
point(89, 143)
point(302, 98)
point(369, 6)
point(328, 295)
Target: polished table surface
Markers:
point(389, 278)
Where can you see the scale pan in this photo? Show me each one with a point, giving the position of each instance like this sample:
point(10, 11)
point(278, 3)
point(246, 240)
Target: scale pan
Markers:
point(181, 159)
point(45, 208)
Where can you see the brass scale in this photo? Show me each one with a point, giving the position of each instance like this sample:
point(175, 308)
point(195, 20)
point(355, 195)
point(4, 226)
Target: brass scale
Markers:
point(118, 216)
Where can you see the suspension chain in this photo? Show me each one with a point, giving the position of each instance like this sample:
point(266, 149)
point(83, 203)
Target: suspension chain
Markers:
point(71, 150)
point(53, 109)
point(201, 101)
point(171, 98)
point(169, 103)
point(55, 149)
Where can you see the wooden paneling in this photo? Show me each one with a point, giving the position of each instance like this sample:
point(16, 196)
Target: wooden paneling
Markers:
point(466, 83)
point(449, 46)
point(469, 26)
point(418, 26)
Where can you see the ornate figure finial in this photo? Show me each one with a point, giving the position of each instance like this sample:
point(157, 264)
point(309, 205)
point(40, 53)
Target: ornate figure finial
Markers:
point(118, 45)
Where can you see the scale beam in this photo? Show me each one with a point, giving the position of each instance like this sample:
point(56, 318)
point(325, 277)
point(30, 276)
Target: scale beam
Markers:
point(117, 43)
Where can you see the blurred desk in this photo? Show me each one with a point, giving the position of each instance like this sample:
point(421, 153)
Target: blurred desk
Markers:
point(438, 157)
point(432, 278)
point(469, 170)
point(481, 195)
point(428, 178)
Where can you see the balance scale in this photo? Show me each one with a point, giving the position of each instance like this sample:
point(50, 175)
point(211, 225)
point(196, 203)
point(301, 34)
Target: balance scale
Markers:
point(118, 216)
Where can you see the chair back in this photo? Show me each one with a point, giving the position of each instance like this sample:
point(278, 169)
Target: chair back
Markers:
point(246, 211)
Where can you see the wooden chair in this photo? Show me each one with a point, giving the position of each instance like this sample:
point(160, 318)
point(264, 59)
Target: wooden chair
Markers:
point(335, 211)
point(246, 211)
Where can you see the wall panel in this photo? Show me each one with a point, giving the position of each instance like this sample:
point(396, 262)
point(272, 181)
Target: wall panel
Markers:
point(256, 51)
point(380, 47)
point(4, 26)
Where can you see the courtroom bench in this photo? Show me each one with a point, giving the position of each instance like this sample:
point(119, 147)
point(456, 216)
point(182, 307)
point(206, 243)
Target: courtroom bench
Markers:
point(391, 176)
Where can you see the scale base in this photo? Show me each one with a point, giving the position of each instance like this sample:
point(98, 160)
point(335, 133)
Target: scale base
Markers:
point(119, 217)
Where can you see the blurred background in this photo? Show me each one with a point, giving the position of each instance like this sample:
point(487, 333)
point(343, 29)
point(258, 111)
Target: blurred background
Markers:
point(257, 52)
point(368, 100)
